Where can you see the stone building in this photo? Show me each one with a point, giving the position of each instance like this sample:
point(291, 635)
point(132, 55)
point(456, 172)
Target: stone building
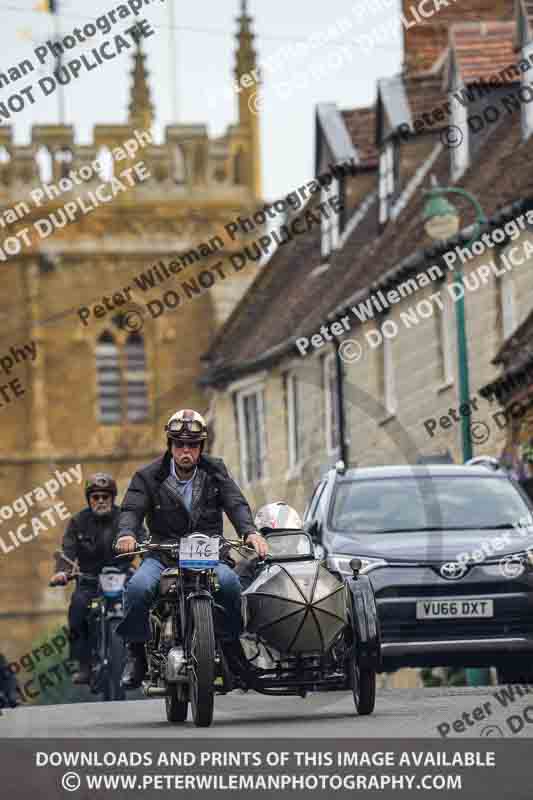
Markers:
point(275, 387)
point(114, 304)
point(345, 344)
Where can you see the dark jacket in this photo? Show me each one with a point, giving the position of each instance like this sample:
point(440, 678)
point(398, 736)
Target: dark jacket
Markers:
point(8, 685)
point(89, 539)
point(213, 492)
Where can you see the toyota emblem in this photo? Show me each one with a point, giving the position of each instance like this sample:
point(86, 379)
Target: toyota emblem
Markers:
point(453, 570)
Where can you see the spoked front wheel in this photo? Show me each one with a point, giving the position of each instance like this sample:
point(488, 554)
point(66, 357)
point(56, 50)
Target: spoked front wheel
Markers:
point(202, 666)
point(177, 702)
point(363, 682)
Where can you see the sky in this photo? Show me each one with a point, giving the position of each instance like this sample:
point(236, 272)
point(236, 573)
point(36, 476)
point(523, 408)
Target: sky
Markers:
point(341, 67)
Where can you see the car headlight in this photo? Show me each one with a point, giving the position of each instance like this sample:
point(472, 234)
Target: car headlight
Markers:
point(341, 564)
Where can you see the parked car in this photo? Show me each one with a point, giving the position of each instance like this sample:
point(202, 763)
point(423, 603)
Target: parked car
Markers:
point(447, 551)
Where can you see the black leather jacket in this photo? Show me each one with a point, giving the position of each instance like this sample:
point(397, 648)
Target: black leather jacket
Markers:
point(89, 539)
point(213, 492)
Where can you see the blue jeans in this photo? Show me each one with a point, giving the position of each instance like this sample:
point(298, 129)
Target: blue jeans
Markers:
point(140, 594)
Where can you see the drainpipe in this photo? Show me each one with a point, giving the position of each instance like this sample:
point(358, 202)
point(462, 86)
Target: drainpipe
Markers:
point(339, 373)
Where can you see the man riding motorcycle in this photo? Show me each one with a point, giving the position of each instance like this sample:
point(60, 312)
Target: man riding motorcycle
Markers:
point(89, 539)
point(181, 492)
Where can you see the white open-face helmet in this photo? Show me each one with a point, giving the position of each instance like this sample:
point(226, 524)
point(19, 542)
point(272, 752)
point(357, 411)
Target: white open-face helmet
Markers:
point(277, 515)
point(484, 461)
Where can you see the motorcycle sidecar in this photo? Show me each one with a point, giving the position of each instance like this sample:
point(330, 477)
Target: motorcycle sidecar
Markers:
point(305, 629)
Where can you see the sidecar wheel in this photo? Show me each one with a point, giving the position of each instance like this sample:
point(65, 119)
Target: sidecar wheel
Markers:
point(202, 673)
point(363, 687)
point(177, 703)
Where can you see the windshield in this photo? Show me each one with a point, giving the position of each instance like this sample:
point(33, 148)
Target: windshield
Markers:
point(427, 503)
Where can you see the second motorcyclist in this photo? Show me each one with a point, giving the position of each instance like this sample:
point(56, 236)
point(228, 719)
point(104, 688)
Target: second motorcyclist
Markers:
point(89, 540)
point(182, 492)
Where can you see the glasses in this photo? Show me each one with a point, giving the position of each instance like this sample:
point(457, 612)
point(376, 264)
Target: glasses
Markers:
point(191, 425)
point(185, 445)
point(103, 497)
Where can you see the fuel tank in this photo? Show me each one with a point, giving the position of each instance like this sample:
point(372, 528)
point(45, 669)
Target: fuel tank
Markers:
point(295, 608)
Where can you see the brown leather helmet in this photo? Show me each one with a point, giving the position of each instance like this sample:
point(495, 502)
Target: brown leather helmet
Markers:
point(100, 482)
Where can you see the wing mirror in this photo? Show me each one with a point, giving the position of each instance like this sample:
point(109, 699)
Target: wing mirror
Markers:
point(314, 529)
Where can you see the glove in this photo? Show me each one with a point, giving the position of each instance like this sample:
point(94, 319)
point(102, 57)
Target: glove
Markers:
point(126, 544)
point(59, 579)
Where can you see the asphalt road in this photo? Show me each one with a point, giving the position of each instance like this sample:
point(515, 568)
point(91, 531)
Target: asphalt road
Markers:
point(399, 713)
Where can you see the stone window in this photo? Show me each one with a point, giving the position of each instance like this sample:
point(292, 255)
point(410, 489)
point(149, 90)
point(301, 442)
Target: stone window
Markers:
point(136, 388)
point(331, 405)
point(295, 420)
point(507, 309)
point(121, 378)
point(251, 418)
point(108, 372)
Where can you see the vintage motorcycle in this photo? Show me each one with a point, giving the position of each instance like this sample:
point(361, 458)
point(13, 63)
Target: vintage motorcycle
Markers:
point(304, 629)
point(106, 609)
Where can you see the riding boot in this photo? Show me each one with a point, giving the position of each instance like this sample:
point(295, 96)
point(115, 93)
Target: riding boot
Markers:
point(236, 659)
point(135, 669)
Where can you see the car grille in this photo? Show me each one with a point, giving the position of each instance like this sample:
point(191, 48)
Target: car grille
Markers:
point(456, 588)
point(412, 630)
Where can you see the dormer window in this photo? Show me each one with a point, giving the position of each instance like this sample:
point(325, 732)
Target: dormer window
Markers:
point(526, 106)
point(330, 221)
point(388, 179)
point(459, 119)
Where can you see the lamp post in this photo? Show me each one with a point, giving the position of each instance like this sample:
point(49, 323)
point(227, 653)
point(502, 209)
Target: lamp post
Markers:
point(442, 222)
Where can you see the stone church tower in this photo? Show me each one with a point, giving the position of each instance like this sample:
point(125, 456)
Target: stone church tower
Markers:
point(106, 313)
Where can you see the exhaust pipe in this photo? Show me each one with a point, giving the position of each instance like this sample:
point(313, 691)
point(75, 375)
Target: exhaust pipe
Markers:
point(155, 691)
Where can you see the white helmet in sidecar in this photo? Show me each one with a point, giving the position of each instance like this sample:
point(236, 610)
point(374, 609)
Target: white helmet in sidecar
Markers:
point(278, 515)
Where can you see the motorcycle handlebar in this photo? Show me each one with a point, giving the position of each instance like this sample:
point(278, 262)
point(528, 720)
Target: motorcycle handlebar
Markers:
point(73, 576)
point(145, 548)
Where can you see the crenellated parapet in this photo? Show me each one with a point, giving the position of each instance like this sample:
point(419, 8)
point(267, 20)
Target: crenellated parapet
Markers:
point(187, 159)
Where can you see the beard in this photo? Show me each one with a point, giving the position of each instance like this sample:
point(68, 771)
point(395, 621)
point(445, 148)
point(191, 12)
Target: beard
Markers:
point(185, 469)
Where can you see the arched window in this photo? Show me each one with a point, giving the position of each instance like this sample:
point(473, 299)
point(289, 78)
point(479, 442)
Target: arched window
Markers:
point(238, 167)
point(121, 375)
point(5, 163)
point(136, 389)
point(180, 174)
point(107, 166)
point(44, 164)
point(63, 158)
point(108, 374)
